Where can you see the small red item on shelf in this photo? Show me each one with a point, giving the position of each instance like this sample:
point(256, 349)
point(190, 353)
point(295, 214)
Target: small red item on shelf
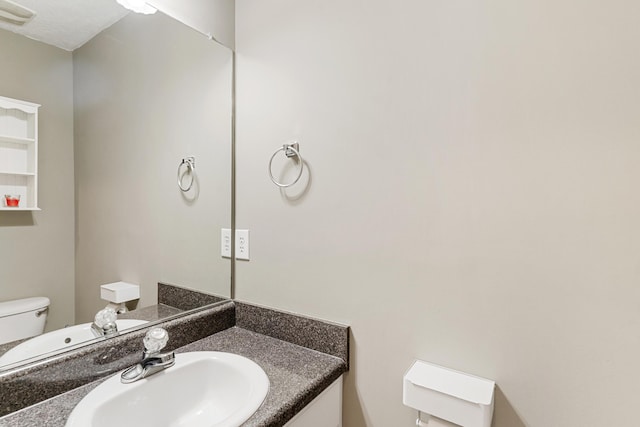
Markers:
point(12, 201)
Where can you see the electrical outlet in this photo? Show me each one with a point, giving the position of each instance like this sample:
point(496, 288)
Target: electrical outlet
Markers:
point(225, 242)
point(242, 244)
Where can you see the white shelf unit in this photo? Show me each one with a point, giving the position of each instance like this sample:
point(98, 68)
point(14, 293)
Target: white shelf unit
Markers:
point(19, 153)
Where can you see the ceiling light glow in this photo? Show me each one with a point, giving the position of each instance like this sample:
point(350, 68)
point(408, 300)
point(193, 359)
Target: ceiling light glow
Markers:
point(138, 6)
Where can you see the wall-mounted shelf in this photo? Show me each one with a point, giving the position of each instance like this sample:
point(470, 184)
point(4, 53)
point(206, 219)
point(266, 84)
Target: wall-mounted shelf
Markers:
point(19, 153)
point(15, 140)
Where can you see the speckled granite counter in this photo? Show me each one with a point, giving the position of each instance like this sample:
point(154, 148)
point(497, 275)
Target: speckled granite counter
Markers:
point(297, 375)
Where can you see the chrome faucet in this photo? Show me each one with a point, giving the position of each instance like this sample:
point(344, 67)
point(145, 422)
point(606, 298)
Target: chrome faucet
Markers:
point(152, 360)
point(104, 324)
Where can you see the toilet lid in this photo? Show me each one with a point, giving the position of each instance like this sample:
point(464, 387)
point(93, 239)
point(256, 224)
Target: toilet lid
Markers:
point(9, 308)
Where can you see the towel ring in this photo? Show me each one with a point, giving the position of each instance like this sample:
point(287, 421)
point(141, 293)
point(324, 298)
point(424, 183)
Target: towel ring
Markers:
point(190, 162)
point(290, 150)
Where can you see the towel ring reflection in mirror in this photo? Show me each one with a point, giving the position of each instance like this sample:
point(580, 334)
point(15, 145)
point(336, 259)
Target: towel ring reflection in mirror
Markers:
point(190, 163)
point(290, 150)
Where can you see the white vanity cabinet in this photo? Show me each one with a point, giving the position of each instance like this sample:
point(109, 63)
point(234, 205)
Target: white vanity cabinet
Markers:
point(323, 411)
point(19, 153)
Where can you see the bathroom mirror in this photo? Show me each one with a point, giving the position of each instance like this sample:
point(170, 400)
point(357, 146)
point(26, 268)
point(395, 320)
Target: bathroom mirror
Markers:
point(143, 95)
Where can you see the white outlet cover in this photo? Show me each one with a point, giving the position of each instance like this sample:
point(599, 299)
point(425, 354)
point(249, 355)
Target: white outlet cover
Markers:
point(242, 244)
point(225, 242)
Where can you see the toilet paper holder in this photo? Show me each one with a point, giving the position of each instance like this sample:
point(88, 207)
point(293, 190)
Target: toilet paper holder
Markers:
point(453, 396)
point(118, 294)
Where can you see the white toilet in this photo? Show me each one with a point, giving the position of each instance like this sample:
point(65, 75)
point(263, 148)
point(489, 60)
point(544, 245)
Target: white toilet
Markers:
point(22, 318)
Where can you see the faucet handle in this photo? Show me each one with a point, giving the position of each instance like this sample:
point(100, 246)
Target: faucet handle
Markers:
point(155, 340)
point(105, 316)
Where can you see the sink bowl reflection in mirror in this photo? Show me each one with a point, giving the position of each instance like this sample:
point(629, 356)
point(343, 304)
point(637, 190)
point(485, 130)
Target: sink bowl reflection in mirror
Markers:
point(202, 389)
point(59, 340)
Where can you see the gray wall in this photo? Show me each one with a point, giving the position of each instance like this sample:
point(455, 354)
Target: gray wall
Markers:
point(472, 198)
point(148, 92)
point(37, 248)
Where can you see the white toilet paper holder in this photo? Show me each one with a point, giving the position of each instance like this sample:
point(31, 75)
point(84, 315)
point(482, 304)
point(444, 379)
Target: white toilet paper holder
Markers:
point(118, 294)
point(457, 397)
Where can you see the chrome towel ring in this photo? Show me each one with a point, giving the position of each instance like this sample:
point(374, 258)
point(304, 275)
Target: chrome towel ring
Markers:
point(290, 150)
point(190, 163)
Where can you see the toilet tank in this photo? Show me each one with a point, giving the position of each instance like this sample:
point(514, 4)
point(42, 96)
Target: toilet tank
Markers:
point(22, 318)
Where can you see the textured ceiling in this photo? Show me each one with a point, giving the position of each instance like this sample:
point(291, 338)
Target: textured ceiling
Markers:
point(67, 24)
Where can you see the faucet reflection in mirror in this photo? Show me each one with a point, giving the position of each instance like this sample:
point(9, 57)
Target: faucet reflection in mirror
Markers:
point(104, 323)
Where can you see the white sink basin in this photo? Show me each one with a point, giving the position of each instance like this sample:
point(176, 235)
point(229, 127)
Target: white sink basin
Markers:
point(60, 339)
point(203, 388)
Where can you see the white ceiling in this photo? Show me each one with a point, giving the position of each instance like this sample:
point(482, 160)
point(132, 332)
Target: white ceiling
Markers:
point(67, 24)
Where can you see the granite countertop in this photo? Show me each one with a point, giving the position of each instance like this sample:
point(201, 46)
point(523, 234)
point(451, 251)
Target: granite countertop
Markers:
point(296, 374)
